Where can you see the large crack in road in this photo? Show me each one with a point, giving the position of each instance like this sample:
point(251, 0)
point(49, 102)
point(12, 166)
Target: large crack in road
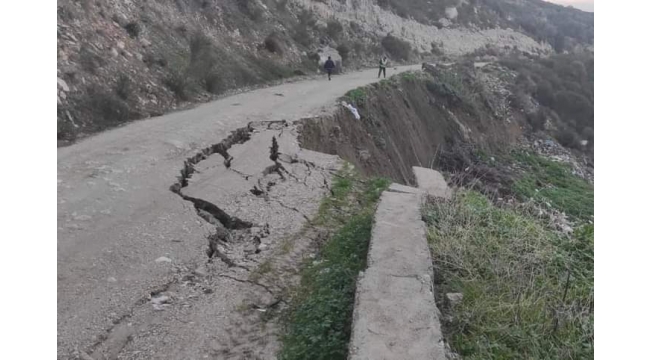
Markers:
point(133, 280)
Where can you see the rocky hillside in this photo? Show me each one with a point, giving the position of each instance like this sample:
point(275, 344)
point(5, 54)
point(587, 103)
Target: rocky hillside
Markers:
point(124, 60)
point(449, 117)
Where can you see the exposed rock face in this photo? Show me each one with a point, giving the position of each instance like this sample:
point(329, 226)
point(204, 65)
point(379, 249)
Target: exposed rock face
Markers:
point(326, 52)
point(373, 19)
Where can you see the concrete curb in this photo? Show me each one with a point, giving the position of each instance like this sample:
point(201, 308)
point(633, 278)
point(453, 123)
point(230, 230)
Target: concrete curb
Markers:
point(395, 314)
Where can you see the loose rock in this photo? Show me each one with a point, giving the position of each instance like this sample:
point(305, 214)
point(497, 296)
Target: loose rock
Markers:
point(454, 298)
point(62, 84)
point(163, 259)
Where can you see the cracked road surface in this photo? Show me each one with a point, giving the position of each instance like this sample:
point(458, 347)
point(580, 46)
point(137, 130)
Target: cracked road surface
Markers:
point(133, 277)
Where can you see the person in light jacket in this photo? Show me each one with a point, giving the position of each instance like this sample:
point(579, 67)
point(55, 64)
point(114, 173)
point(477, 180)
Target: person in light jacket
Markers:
point(383, 62)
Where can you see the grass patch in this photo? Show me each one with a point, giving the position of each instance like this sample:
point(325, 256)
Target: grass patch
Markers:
point(527, 291)
point(356, 96)
point(319, 321)
point(409, 76)
point(553, 182)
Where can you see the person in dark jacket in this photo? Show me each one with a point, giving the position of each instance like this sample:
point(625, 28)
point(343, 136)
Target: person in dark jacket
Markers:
point(329, 67)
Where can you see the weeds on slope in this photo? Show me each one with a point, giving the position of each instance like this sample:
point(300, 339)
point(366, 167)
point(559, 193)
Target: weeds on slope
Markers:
point(553, 182)
point(527, 290)
point(319, 320)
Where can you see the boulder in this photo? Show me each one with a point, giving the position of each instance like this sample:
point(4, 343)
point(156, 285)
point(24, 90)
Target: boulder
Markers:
point(327, 51)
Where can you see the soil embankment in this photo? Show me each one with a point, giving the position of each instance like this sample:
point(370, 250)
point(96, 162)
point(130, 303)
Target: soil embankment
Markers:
point(407, 121)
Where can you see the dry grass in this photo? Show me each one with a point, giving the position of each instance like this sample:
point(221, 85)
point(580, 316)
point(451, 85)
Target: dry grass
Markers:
point(528, 291)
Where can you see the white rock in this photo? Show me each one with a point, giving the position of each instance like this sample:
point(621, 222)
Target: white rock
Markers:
point(451, 13)
point(163, 259)
point(454, 298)
point(201, 271)
point(120, 45)
point(160, 300)
point(114, 52)
point(112, 279)
point(62, 84)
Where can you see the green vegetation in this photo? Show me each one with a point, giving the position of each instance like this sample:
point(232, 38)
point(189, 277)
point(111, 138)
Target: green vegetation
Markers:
point(213, 69)
point(318, 323)
point(356, 96)
point(409, 76)
point(344, 51)
point(527, 291)
point(334, 28)
point(553, 182)
point(398, 49)
point(564, 87)
point(458, 88)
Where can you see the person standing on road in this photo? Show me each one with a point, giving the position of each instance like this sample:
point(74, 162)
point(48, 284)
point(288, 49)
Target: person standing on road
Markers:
point(383, 62)
point(329, 67)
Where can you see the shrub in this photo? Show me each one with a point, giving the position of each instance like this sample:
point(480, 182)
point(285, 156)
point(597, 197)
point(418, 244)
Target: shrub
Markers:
point(250, 9)
point(133, 29)
point(344, 51)
point(151, 59)
point(203, 56)
point(178, 84)
point(108, 106)
point(537, 120)
point(273, 44)
point(301, 32)
point(356, 96)
point(359, 47)
point(568, 138)
point(90, 61)
point(436, 48)
point(334, 28)
point(123, 88)
point(397, 48)
point(214, 83)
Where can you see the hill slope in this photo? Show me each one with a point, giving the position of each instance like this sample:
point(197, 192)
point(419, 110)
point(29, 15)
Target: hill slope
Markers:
point(120, 60)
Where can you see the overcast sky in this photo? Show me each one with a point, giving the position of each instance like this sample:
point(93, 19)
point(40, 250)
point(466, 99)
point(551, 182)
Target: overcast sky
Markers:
point(585, 5)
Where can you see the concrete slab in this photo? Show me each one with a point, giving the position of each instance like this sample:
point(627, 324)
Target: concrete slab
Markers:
point(395, 315)
point(394, 187)
point(432, 182)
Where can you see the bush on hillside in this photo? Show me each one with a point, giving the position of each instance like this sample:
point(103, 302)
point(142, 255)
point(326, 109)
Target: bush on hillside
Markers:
point(273, 44)
point(124, 87)
point(563, 84)
point(107, 106)
point(334, 28)
point(178, 84)
point(344, 51)
point(397, 48)
point(133, 29)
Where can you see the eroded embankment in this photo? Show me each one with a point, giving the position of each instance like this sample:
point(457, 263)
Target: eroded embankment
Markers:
point(410, 120)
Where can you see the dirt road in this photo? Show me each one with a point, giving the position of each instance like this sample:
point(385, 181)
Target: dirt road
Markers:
point(133, 281)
